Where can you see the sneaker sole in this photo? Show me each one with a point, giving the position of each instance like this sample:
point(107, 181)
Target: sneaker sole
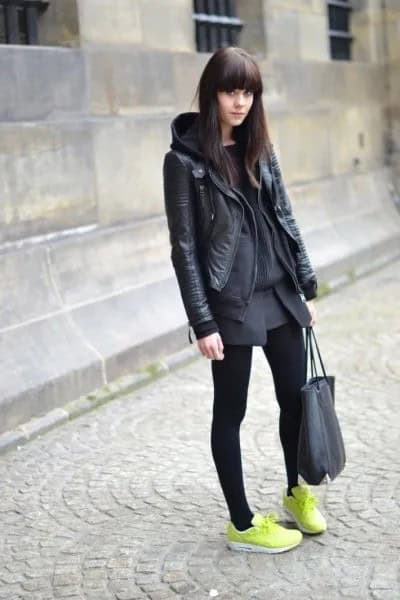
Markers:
point(240, 547)
point(299, 525)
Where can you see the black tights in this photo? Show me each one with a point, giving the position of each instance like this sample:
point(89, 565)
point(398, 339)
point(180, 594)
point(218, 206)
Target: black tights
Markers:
point(285, 354)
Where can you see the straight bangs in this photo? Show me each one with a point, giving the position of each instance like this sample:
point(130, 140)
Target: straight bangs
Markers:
point(239, 74)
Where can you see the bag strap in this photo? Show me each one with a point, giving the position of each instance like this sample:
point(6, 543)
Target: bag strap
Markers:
point(319, 353)
point(307, 353)
point(313, 366)
point(310, 354)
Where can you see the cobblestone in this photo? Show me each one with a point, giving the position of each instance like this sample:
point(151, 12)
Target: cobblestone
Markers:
point(124, 503)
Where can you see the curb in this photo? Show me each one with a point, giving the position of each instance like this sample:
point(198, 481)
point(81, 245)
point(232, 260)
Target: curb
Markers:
point(14, 439)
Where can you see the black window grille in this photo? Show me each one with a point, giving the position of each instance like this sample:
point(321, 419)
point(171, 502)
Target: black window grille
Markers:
point(19, 21)
point(340, 38)
point(217, 24)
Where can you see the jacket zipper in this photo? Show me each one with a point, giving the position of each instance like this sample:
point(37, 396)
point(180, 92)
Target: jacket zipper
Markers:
point(205, 198)
point(226, 191)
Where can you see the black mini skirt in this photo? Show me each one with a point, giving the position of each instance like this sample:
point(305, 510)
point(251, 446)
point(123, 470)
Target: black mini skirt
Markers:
point(268, 309)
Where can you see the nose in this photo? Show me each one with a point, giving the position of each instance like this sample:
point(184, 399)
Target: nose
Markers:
point(240, 100)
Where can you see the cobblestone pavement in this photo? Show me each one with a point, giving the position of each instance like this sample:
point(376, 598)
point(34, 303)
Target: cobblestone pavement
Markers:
point(124, 502)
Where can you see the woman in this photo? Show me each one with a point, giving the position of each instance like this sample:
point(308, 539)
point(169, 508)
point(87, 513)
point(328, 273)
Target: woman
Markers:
point(245, 280)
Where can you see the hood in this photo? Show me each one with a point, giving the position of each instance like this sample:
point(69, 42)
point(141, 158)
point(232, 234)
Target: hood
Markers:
point(185, 138)
point(184, 130)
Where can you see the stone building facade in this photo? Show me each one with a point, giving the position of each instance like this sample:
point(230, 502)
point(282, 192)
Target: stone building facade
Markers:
point(88, 290)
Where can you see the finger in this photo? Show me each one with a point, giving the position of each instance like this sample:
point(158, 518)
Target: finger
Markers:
point(215, 351)
point(210, 352)
point(220, 347)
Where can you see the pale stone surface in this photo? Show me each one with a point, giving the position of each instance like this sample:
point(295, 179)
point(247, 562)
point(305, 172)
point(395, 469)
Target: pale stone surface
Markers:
point(362, 128)
point(150, 23)
point(313, 38)
point(130, 81)
point(124, 503)
point(59, 24)
point(134, 186)
point(46, 178)
point(58, 90)
point(118, 22)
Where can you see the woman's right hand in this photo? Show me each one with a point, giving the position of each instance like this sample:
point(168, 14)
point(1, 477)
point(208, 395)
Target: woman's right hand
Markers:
point(211, 346)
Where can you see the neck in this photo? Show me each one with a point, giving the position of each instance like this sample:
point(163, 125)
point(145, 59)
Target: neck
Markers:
point(226, 133)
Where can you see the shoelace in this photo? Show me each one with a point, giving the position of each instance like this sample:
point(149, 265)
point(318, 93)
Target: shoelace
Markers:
point(307, 502)
point(268, 520)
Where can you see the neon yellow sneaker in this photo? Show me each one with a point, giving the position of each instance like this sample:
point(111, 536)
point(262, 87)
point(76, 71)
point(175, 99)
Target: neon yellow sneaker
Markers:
point(265, 535)
point(302, 508)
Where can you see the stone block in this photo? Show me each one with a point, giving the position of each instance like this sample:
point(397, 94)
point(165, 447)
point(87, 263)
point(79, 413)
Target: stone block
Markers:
point(283, 36)
point(127, 80)
point(128, 156)
point(41, 83)
point(59, 24)
point(313, 38)
point(173, 29)
point(187, 68)
point(252, 36)
point(104, 22)
point(136, 327)
point(43, 365)
point(46, 178)
point(302, 144)
point(297, 6)
point(363, 84)
point(356, 137)
point(348, 221)
point(295, 85)
point(104, 262)
point(27, 291)
point(127, 22)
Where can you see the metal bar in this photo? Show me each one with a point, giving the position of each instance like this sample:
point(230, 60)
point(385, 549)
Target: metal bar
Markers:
point(340, 4)
point(335, 33)
point(12, 29)
point(32, 33)
point(41, 4)
point(217, 19)
point(2, 26)
point(231, 8)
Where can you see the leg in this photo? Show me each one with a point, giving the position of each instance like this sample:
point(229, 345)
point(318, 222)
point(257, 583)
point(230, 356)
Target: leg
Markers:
point(231, 380)
point(285, 353)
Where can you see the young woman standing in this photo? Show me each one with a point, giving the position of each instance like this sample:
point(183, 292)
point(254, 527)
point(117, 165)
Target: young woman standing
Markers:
point(245, 279)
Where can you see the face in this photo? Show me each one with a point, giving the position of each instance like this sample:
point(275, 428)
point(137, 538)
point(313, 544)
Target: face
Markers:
point(233, 107)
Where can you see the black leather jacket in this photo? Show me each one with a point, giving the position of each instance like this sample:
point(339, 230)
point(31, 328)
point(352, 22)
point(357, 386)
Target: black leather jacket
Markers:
point(214, 264)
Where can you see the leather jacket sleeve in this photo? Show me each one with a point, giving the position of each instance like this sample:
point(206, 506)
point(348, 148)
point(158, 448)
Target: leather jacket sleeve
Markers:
point(305, 273)
point(179, 198)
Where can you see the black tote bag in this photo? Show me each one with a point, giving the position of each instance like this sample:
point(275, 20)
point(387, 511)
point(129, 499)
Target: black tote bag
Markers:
point(321, 452)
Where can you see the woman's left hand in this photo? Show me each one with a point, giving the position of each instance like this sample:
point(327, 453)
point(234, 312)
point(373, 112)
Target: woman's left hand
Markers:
point(313, 312)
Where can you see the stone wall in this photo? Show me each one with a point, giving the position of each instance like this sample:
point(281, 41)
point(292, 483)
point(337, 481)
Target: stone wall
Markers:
point(88, 290)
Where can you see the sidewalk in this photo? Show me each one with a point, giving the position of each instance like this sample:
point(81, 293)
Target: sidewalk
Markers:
point(124, 503)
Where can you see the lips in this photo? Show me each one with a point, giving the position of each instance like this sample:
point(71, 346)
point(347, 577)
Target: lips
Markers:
point(238, 114)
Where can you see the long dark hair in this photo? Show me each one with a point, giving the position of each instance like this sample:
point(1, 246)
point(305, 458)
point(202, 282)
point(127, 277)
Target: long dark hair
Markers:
point(228, 69)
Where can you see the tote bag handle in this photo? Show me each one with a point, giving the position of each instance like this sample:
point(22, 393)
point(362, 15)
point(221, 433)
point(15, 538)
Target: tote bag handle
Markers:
point(310, 336)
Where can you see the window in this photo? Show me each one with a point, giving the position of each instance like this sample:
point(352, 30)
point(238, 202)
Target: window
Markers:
point(19, 20)
point(340, 38)
point(216, 24)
